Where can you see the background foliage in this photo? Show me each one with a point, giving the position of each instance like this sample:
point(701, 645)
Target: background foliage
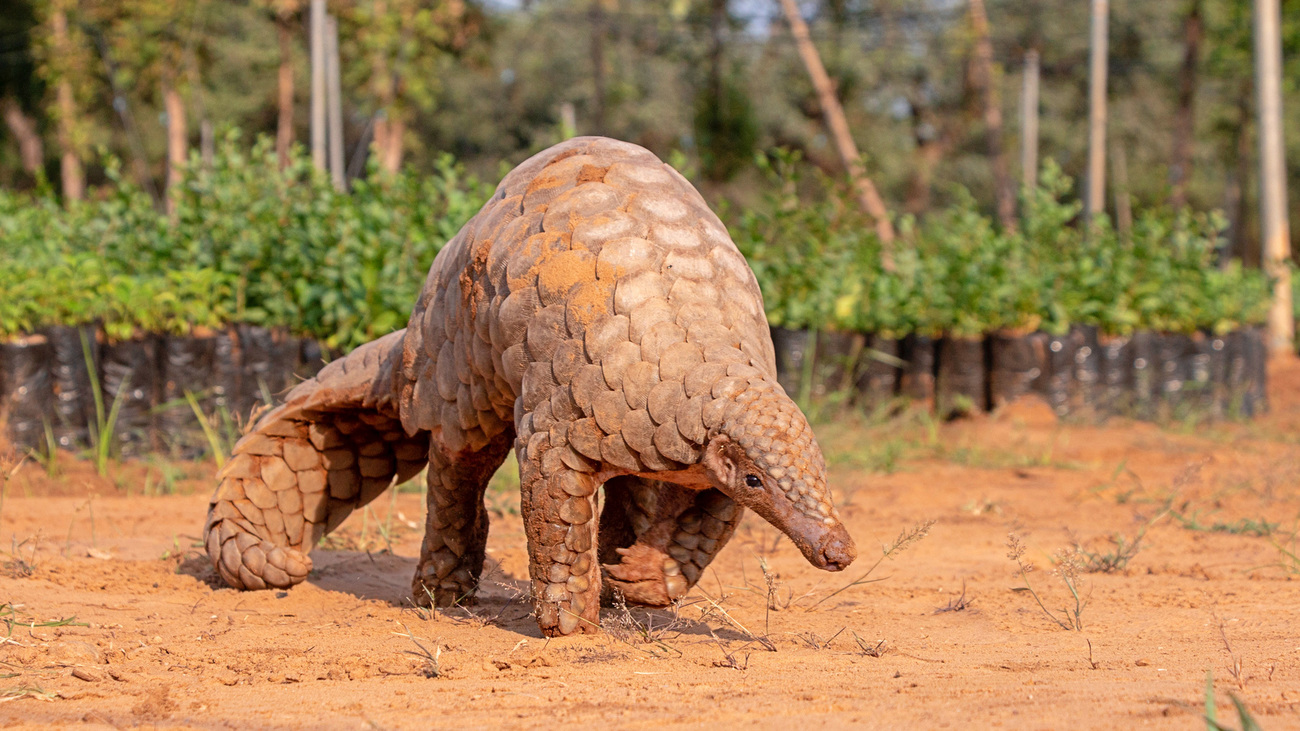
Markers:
point(251, 242)
point(248, 242)
point(714, 86)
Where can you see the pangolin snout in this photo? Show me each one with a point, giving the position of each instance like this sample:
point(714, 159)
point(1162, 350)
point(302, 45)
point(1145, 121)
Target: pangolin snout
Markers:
point(836, 551)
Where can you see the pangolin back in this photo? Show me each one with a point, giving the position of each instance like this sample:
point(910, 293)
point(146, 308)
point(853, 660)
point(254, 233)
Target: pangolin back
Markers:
point(597, 286)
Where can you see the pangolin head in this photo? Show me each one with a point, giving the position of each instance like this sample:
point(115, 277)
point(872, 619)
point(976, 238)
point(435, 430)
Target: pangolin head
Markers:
point(765, 457)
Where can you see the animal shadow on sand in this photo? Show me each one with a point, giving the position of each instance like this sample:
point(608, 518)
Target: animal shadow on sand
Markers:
point(502, 600)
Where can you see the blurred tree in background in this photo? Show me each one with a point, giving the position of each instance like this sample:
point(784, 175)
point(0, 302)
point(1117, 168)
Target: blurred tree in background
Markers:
point(707, 82)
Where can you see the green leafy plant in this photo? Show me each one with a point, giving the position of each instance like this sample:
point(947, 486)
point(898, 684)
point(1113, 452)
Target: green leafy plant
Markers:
point(105, 424)
point(956, 273)
point(251, 241)
point(248, 242)
point(1244, 717)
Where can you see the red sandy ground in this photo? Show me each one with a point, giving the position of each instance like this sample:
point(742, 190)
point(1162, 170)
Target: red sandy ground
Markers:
point(160, 642)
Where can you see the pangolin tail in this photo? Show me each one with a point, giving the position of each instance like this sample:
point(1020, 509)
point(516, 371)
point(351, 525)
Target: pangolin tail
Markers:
point(335, 444)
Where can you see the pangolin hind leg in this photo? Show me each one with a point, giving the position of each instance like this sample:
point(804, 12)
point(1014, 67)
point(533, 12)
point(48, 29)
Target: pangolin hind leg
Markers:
point(332, 447)
point(669, 536)
point(616, 519)
point(456, 528)
point(558, 504)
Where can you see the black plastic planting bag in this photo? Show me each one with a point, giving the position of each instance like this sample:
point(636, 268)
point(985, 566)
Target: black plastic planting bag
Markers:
point(312, 357)
point(791, 353)
point(71, 349)
point(1254, 345)
point(131, 380)
point(1146, 368)
point(1172, 372)
point(1261, 369)
point(1016, 362)
point(919, 353)
point(187, 364)
point(834, 359)
point(267, 360)
point(197, 372)
point(1059, 374)
point(288, 358)
point(1215, 348)
point(1115, 378)
point(1085, 390)
point(225, 378)
point(878, 371)
point(28, 400)
point(961, 384)
point(1199, 388)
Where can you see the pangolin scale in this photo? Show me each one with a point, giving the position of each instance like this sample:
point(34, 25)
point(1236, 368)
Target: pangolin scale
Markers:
point(595, 317)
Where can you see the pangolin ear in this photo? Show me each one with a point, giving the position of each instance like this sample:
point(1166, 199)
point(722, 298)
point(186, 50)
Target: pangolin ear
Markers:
point(720, 460)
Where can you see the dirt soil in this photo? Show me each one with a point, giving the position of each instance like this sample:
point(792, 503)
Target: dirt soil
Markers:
point(1196, 524)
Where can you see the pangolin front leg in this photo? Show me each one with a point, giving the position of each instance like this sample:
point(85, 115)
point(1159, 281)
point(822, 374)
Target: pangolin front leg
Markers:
point(669, 535)
point(558, 504)
point(456, 526)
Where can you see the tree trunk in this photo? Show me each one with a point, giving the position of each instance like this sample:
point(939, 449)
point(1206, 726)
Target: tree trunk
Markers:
point(868, 196)
point(1180, 166)
point(1236, 196)
point(74, 178)
point(1098, 53)
point(380, 135)
point(23, 128)
point(986, 82)
point(388, 125)
point(1123, 200)
point(388, 142)
point(284, 124)
point(928, 156)
point(598, 67)
point(176, 140)
point(931, 145)
point(391, 159)
point(717, 23)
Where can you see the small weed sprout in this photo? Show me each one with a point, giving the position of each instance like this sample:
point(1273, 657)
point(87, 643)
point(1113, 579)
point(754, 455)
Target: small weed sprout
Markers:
point(27, 691)
point(432, 668)
point(869, 649)
point(729, 659)
point(105, 424)
point(1236, 663)
point(1067, 569)
point(774, 601)
point(1241, 527)
point(9, 467)
point(9, 616)
point(960, 604)
point(49, 457)
point(1288, 548)
point(813, 641)
point(626, 628)
point(215, 444)
point(1123, 549)
point(715, 606)
point(770, 590)
point(905, 540)
point(18, 567)
point(1211, 714)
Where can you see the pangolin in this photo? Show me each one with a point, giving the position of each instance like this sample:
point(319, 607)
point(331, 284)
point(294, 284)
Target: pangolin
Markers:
point(594, 316)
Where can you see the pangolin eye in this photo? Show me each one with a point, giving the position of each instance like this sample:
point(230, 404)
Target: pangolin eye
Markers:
point(753, 481)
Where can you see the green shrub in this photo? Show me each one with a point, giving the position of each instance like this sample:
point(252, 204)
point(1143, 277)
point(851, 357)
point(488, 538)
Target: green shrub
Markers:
point(249, 242)
point(246, 243)
point(957, 273)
